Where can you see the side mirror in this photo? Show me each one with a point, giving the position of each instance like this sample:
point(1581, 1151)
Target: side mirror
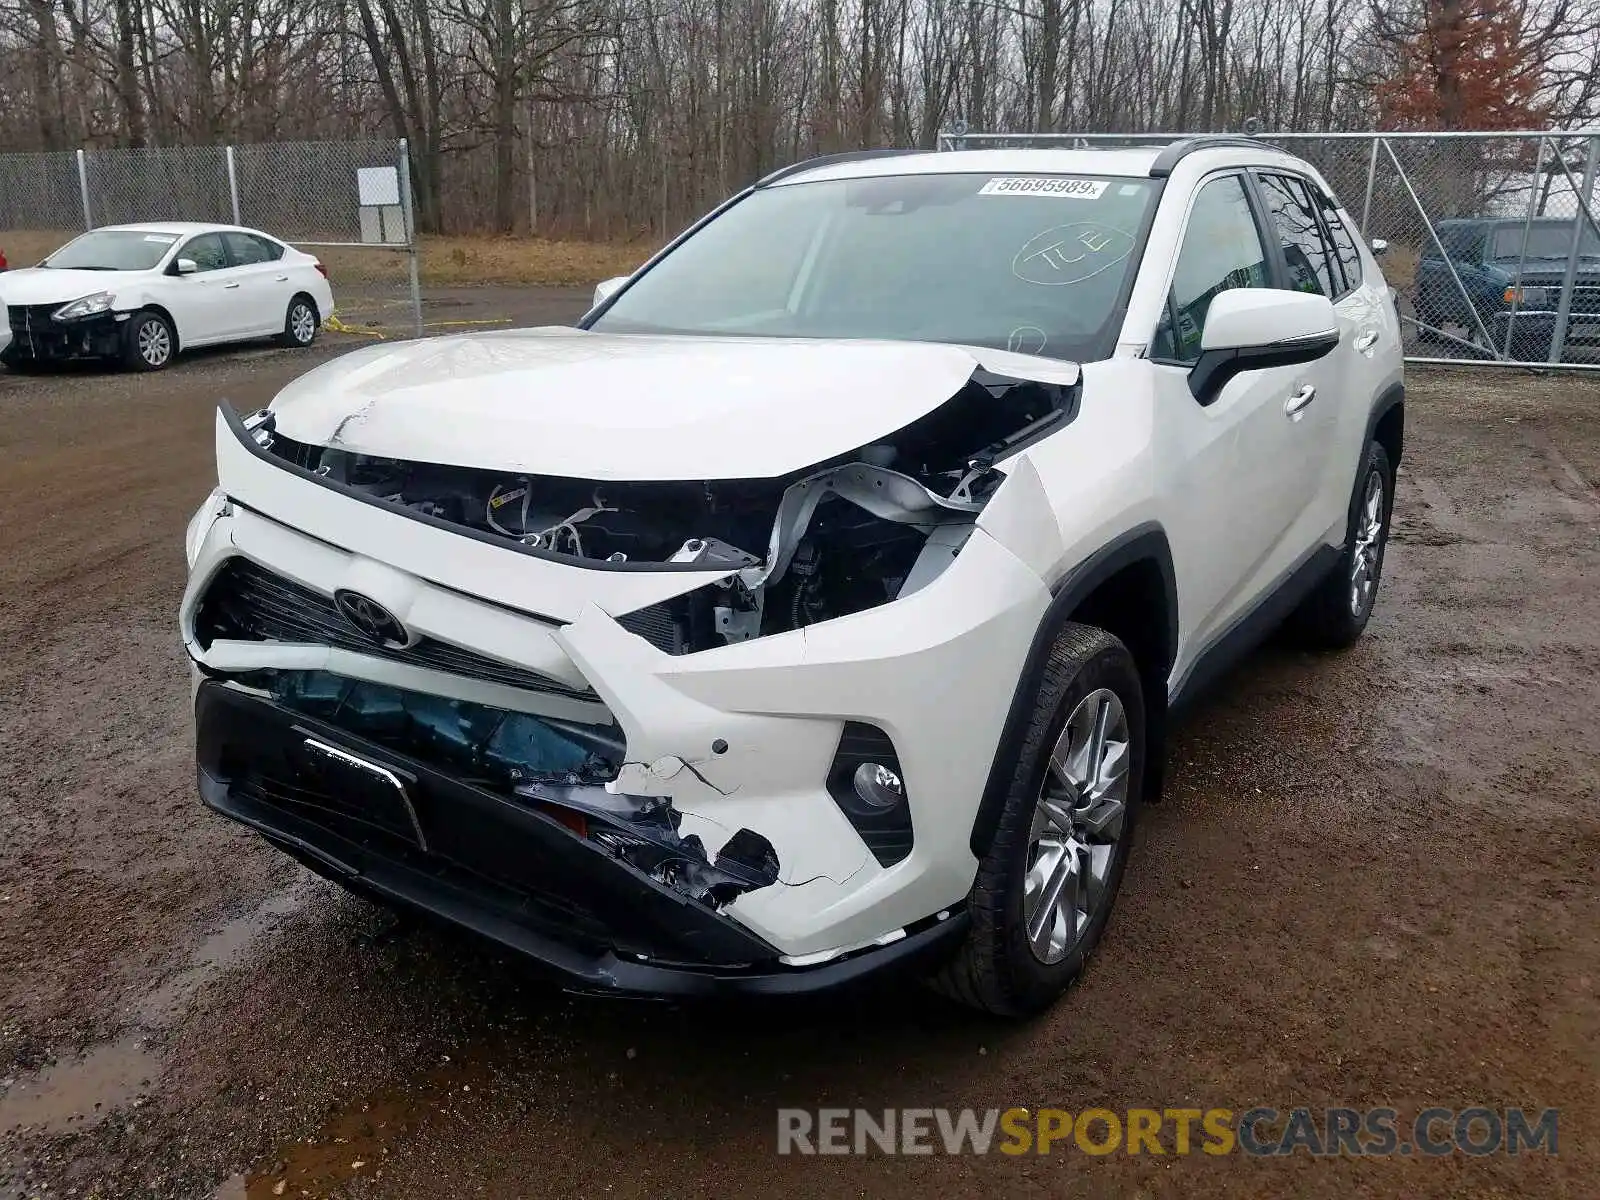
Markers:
point(607, 288)
point(1251, 329)
point(187, 266)
point(1380, 247)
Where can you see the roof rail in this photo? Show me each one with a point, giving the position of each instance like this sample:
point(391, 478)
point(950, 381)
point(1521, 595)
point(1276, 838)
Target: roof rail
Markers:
point(1171, 155)
point(828, 160)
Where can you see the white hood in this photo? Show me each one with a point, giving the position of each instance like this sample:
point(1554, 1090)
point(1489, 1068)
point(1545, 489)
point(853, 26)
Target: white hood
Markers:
point(560, 401)
point(46, 285)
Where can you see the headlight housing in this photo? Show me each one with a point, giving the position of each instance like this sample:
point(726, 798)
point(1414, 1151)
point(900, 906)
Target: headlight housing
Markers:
point(216, 505)
point(84, 306)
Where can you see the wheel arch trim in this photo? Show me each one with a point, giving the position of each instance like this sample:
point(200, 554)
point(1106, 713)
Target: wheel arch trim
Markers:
point(1145, 543)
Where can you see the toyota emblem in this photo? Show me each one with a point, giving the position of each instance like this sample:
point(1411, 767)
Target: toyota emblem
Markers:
point(371, 619)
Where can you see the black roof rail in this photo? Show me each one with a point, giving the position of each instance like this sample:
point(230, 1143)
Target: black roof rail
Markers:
point(1175, 153)
point(828, 160)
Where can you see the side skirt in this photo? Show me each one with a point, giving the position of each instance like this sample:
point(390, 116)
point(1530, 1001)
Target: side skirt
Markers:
point(1253, 627)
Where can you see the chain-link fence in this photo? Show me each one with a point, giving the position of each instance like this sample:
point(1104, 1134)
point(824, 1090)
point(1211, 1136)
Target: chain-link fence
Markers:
point(1490, 240)
point(351, 199)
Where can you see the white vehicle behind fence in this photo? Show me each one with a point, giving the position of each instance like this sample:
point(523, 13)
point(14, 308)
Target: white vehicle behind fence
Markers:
point(141, 294)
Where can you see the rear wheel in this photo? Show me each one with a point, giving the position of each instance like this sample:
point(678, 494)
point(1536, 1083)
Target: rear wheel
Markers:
point(300, 323)
point(1045, 888)
point(148, 341)
point(1336, 613)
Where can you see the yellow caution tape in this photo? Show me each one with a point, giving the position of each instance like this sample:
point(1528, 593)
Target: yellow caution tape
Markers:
point(338, 326)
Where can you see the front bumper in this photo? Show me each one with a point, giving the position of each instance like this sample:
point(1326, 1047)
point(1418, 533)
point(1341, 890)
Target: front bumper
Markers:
point(37, 336)
point(740, 737)
point(501, 868)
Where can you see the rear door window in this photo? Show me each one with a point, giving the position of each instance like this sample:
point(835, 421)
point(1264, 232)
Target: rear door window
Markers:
point(1306, 251)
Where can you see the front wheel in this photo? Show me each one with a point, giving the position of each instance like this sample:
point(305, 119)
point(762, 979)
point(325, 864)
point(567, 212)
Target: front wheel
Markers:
point(300, 323)
point(148, 341)
point(1045, 888)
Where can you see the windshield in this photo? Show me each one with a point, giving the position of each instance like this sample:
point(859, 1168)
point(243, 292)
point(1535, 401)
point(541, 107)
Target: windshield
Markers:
point(1546, 239)
point(1035, 264)
point(113, 250)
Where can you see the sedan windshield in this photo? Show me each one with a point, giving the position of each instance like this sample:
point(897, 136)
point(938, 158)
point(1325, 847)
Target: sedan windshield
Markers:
point(113, 250)
point(1037, 264)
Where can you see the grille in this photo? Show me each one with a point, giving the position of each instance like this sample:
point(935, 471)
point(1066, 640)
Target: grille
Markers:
point(247, 602)
point(34, 317)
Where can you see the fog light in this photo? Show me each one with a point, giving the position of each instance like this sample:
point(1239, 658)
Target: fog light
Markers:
point(878, 786)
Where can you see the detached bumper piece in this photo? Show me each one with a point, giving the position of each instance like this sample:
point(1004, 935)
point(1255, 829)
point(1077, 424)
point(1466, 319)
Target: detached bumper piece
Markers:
point(511, 867)
point(37, 336)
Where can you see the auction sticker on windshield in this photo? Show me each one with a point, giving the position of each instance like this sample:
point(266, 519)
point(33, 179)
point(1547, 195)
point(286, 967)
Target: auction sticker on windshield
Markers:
point(1067, 189)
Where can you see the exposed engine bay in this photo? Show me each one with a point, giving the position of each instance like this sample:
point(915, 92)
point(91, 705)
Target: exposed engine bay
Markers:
point(844, 536)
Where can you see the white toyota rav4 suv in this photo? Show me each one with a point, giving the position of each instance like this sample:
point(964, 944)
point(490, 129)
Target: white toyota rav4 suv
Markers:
point(820, 603)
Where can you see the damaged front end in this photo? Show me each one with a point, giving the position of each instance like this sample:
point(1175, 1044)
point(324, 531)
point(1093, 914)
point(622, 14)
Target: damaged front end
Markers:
point(493, 708)
point(841, 537)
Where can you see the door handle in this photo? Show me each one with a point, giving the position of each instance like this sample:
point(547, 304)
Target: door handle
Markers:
point(1367, 340)
point(281, 278)
point(230, 285)
point(1296, 404)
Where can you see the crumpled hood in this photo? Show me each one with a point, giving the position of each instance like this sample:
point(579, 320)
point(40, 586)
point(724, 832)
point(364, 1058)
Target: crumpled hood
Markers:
point(561, 401)
point(45, 285)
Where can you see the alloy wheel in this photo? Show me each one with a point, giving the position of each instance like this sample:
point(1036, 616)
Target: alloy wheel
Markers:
point(1368, 545)
point(155, 343)
point(1078, 824)
point(302, 323)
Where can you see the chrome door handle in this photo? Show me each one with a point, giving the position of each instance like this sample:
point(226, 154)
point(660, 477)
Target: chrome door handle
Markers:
point(281, 278)
point(230, 285)
point(1367, 340)
point(1296, 404)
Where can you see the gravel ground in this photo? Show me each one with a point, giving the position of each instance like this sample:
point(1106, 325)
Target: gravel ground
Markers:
point(1372, 883)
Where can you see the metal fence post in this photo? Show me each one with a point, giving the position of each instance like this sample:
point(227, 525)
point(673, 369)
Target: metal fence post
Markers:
point(1569, 280)
point(83, 188)
point(1372, 178)
point(1522, 256)
point(233, 183)
point(407, 207)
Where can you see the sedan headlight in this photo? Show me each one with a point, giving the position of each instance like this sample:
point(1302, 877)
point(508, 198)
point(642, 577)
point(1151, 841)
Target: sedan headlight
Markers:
point(85, 306)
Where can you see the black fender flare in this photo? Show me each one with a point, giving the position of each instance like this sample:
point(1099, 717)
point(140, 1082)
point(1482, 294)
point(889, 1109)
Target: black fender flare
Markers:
point(1145, 542)
point(1391, 397)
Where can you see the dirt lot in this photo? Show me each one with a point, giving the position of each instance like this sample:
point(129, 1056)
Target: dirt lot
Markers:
point(1373, 883)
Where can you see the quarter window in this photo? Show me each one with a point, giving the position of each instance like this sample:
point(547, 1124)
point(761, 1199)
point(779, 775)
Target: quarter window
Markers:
point(1305, 248)
point(1221, 250)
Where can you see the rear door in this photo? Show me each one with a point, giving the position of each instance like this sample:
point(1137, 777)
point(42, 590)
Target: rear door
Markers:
point(1312, 263)
point(265, 286)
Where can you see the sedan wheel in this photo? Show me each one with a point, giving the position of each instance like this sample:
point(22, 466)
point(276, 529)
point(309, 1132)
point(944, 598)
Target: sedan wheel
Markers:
point(300, 325)
point(150, 343)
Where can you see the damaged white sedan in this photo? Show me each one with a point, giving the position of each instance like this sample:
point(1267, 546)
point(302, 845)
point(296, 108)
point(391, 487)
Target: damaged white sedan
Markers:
point(810, 610)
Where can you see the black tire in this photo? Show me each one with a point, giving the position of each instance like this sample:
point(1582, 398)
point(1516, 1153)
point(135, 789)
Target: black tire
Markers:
point(996, 969)
point(143, 339)
point(300, 323)
point(1329, 618)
